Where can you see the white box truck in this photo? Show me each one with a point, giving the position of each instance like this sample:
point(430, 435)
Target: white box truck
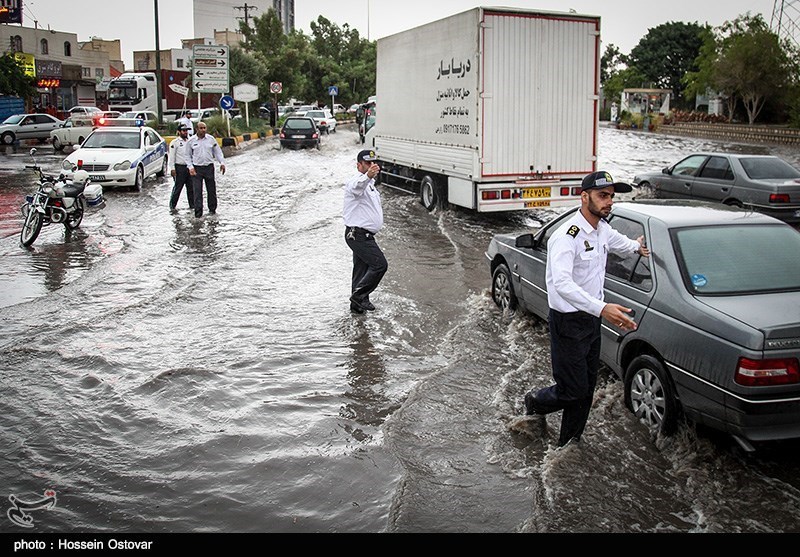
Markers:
point(492, 109)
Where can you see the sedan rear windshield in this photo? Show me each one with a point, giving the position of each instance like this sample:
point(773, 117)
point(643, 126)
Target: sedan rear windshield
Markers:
point(739, 259)
point(758, 168)
point(298, 124)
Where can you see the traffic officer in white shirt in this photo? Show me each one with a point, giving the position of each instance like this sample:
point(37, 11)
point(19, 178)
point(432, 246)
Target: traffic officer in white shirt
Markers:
point(178, 169)
point(202, 150)
point(363, 218)
point(186, 120)
point(576, 266)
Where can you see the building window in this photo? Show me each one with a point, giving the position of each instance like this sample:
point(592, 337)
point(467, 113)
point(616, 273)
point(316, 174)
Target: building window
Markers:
point(44, 49)
point(16, 43)
point(98, 72)
point(179, 62)
point(87, 72)
point(67, 48)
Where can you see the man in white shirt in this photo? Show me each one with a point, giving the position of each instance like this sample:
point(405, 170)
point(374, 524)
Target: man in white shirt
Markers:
point(363, 218)
point(576, 266)
point(179, 170)
point(202, 150)
point(186, 120)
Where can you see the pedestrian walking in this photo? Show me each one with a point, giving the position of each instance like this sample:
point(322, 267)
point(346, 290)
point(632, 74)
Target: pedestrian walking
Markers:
point(186, 120)
point(363, 218)
point(179, 170)
point(202, 150)
point(576, 265)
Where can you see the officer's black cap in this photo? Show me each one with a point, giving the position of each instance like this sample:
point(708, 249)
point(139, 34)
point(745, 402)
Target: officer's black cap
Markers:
point(366, 155)
point(602, 179)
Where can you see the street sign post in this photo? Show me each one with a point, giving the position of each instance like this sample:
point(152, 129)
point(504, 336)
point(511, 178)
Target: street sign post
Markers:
point(333, 90)
point(226, 103)
point(275, 87)
point(245, 93)
point(210, 69)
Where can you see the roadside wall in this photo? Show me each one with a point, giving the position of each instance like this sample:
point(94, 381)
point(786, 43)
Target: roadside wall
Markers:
point(734, 132)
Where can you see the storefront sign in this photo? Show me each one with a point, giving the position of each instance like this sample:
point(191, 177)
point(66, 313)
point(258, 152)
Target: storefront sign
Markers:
point(10, 11)
point(48, 83)
point(48, 68)
point(28, 61)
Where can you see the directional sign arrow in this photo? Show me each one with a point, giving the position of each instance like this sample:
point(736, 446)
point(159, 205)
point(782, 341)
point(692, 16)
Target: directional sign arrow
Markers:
point(210, 50)
point(210, 62)
point(212, 74)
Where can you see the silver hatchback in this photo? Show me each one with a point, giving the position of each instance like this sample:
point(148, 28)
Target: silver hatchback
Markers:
point(718, 309)
point(764, 183)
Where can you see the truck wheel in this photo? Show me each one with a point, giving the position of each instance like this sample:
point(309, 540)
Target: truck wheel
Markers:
point(430, 195)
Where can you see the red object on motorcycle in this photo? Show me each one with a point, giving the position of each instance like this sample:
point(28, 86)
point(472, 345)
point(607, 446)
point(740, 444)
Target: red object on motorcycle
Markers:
point(80, 164)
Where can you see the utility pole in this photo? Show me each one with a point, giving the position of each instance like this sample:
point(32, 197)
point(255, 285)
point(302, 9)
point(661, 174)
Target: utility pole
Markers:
point(786, 20)
point(159, 91)
point(246, 8)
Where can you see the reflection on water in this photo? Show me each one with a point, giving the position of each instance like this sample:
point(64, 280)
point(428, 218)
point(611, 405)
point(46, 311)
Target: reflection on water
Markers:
point(196, 234)
point(366, 372)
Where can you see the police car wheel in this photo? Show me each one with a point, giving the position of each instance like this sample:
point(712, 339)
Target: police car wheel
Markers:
point(163, 169)
point(649, 394)
point(502, 289)
point(139, 179)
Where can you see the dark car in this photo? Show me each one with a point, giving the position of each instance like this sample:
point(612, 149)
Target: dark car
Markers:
point(717, 306)
point(760, 182)
point(298, 132)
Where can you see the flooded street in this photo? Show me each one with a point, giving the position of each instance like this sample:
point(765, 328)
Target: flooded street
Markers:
point(164, 373)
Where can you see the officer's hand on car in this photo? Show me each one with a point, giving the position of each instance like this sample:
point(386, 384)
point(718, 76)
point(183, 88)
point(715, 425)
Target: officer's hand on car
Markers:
point(618, 316)
point(643, 251)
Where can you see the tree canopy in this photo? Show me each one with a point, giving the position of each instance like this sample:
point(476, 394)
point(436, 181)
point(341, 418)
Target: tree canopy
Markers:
point(666, 53)
point(13, 79)
point(307, 65)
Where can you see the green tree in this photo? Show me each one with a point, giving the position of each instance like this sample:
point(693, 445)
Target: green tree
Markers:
point(266, 36)
point(13, 80)
point(666, 53)
point(752, 64)
point(611, 62)
point(247, 67)
point(620, 80)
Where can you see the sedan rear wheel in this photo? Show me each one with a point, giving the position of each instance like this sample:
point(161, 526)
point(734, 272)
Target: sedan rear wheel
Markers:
point(502, 288)
point(7, 138)
point(650, 396)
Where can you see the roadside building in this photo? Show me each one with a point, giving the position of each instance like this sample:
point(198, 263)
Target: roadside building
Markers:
point(66, 73)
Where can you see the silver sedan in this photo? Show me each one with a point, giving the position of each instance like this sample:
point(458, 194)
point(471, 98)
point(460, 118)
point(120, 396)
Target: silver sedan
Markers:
point(766, 184)
point(718, 312)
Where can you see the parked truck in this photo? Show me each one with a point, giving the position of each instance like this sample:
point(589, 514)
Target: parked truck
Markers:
point(492, 109)
point(138, 91)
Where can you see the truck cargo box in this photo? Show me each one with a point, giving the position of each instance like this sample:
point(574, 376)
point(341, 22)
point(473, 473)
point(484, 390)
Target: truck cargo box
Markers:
point(492, 96)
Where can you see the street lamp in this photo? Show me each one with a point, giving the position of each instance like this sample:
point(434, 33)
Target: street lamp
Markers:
point(158, 68)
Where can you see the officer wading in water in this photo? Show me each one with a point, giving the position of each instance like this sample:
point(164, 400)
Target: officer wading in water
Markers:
point(363, 218)
point(576, 266)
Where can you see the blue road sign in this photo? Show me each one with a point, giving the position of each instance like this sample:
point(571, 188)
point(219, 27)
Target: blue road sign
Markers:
point(333, 91)
point(226, 102)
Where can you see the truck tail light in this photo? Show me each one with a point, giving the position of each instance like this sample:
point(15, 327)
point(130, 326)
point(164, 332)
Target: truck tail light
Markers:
point(576, 190)
point(505, 194)
point(779, 198)
point(762, 373)
point(490, 195)
point(564, 191)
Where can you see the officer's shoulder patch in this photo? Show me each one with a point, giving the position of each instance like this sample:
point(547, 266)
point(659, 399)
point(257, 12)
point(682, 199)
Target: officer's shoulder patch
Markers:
point(573, 231)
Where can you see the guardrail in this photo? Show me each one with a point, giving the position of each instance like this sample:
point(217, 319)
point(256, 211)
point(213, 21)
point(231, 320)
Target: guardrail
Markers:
point(734, 132)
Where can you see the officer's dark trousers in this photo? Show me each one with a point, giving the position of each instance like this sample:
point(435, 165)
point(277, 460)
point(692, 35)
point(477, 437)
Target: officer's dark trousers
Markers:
point(182, 178)
point(575, 354)
point(369, 263)
point(204, 173)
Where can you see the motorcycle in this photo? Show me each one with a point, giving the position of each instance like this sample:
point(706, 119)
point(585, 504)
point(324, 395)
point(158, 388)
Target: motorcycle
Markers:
point(57, 202)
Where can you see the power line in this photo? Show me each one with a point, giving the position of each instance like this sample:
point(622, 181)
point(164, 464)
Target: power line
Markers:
point(786, 20)
point(246, 8)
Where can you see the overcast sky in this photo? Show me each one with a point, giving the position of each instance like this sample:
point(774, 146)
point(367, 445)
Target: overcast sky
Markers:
point(624, 22)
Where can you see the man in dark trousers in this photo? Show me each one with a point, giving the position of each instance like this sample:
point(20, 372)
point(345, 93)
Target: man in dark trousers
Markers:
point(576, 266)
point(179, 171)
point(363, 218)
point(202, 151)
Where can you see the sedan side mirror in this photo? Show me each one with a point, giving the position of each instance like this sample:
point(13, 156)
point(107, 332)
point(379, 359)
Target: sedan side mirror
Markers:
point(526, 241)
point(667, 170)
point(76, 147)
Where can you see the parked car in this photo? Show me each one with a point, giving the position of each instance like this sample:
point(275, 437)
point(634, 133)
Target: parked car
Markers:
point(718, 335)
point(83, 110)
point(763, 183)
point(144, 115)
point(353, 108)
point(72, 132)
point(338, 108)
point(202, 114)
point(120, 156)
point(28, 126)
point(324, 120)
point(298, 132)
point(101, 117)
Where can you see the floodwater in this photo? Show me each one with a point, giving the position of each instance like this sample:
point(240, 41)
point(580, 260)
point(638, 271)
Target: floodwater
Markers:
point(170, 374)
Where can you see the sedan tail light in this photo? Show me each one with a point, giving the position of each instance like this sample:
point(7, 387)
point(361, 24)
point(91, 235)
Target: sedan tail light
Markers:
point(779, 198)
point(762, 373)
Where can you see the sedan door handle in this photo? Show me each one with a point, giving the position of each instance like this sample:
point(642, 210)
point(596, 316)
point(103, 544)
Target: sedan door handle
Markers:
point(687, 184)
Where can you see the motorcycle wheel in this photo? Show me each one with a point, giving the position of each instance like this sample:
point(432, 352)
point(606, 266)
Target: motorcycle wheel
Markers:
point(74, 219)
point(31, 227)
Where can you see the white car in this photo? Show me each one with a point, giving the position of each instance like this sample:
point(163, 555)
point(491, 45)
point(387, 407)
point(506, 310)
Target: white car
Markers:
point(83, 110)
point(120, 156)
point(323, 118)
point(72, 132)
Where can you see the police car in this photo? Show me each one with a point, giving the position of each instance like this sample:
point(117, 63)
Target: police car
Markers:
point(120, 156)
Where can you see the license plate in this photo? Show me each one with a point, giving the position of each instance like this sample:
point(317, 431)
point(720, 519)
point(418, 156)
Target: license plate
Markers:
point(535, 204)
point(298, 137)
point(797, 214)
point(528, 193)
point(96, 177)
